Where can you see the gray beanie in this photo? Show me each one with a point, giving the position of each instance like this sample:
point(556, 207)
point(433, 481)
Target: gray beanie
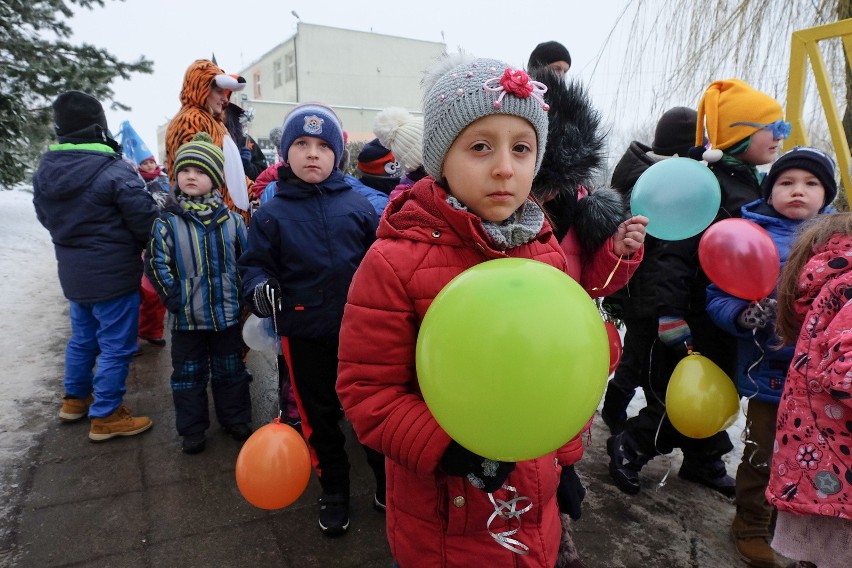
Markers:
point(461, 91)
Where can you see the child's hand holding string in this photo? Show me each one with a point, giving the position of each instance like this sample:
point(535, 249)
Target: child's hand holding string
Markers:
point(630, 236)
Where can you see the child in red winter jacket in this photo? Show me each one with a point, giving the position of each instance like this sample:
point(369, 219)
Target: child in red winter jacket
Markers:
point(483, 143)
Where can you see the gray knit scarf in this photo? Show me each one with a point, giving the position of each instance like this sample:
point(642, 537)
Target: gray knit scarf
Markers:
point(521, 227)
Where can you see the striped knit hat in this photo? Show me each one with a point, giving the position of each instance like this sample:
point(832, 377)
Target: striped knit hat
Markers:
point(204, 155)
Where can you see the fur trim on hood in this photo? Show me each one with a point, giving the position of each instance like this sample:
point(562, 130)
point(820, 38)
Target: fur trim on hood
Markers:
point(573, 157)
point(598, 217)
point(575, 142)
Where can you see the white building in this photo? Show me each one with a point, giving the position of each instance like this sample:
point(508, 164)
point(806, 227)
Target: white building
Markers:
point(356, 73)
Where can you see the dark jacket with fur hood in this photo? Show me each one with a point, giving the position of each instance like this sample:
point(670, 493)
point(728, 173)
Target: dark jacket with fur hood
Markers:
point(583, 220)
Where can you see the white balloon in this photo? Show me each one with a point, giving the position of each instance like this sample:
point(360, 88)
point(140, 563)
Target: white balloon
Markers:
point(259, 335)
point(235, 175)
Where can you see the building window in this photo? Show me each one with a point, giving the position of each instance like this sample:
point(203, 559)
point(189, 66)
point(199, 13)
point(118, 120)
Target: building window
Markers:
point(290, 67)
point(256, 83)
point(276, 73)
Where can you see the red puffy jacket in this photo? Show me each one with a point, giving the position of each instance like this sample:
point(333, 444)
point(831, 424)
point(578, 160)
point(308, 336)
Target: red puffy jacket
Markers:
point(435, 520)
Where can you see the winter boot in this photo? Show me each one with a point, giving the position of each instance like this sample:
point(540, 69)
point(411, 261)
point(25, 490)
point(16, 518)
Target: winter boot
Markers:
point(614, 410)
point(119, 423)
point(711, 474)
point(753, 544)
point(625, 462)
point(334, 514)
point(74, 409)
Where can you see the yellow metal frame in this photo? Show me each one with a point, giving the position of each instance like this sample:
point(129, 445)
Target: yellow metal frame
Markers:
point(803, 46)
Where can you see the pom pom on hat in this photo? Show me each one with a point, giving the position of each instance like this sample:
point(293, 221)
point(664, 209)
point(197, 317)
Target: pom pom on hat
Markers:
point(675, 132)
point(376, 160)
point(402, 132)
point(460, 90)
point(204, 155)
point(723, 106)
point(312, 119)
point(805, 158)
point(548, 52)
point(78, 115)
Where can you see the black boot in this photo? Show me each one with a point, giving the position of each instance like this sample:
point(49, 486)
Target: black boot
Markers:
point(710, 473)
point(614, 410)
point(625, 462)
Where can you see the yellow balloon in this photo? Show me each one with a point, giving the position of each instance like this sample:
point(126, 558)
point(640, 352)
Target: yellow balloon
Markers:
point(701, 399)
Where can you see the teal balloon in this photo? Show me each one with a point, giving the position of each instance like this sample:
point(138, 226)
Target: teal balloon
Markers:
point(679, 196)
point(512, 359)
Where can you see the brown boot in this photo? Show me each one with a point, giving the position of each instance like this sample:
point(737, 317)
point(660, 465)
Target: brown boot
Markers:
point(74, 409)
point(119, 423)
point(753, 544)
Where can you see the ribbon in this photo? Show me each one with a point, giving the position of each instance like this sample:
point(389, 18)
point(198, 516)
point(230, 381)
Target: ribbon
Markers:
point(508, 510)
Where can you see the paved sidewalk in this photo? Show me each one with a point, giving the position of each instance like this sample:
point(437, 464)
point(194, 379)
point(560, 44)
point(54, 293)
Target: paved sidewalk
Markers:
point(140, 502)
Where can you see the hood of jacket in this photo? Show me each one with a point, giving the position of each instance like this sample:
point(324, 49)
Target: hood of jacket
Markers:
point(66, 173)
point(632, 164)
point(196, 83)
point(422, 212)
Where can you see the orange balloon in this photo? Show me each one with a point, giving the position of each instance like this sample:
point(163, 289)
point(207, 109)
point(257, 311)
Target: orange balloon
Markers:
point(274, 466)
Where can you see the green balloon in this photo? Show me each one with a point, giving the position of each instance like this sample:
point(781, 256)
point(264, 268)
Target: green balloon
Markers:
point(512, 359)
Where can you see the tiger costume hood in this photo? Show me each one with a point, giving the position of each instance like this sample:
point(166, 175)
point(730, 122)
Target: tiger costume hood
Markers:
point(194, 116)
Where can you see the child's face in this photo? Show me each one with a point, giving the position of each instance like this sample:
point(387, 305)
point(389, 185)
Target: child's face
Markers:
point(311, 159)
point(797, 194)
point(491, 165)
point(763, 148)
point(216, 100)
point(194, 182)
point(148, 165)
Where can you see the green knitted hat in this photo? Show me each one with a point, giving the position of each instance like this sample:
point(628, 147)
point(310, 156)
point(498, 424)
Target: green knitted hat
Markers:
point(204, 155)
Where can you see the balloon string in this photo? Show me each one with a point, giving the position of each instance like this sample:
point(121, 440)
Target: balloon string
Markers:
point(611, 274)
point(271, 297)
point(508, 510)
point(746, 435)
point(662, 482)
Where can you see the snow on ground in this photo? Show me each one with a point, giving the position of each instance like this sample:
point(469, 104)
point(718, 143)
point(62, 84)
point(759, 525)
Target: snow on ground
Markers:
point(33, 324)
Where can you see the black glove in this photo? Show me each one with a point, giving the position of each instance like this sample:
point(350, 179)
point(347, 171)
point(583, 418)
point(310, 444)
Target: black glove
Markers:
point(483, 473)
point(267, 297)
point(570, 493)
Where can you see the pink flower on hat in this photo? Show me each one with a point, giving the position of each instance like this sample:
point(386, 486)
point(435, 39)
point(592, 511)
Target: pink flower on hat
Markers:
point(517, 82)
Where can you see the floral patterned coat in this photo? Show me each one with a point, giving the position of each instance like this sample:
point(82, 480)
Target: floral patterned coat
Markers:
point(811, 470)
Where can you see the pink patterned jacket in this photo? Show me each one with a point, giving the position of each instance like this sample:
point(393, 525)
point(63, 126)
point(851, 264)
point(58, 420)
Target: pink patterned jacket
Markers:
point(811, 471)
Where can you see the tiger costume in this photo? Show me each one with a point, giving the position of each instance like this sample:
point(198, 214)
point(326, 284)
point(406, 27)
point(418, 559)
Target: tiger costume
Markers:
point(194, 116)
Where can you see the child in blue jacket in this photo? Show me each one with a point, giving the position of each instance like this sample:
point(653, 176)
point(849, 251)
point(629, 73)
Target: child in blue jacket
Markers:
point(799, 186)
point(304, 245)
point(192, 263)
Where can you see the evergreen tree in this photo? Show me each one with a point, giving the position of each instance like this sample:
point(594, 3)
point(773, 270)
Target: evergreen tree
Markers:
point(37, 62)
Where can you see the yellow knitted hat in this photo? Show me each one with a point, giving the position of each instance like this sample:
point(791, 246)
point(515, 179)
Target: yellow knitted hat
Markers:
point(725, 104)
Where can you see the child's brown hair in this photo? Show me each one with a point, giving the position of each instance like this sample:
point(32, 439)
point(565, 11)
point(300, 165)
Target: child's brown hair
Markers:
point(813, 235)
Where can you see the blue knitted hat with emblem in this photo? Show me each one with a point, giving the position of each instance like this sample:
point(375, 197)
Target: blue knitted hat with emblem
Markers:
point(312, 119)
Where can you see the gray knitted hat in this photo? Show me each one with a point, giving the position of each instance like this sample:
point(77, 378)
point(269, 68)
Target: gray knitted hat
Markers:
point(460, 90)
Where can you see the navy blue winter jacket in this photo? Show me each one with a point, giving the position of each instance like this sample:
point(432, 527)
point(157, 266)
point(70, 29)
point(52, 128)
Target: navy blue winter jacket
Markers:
point(99, 217)
point(767, 378)
point(311, 238)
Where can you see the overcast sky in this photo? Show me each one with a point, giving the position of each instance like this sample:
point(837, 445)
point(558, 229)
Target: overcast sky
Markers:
point(173, 33)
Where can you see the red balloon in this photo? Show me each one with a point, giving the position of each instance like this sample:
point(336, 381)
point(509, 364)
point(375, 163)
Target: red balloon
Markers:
point(274, 466)
point(614, 339)
point(741, 258)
